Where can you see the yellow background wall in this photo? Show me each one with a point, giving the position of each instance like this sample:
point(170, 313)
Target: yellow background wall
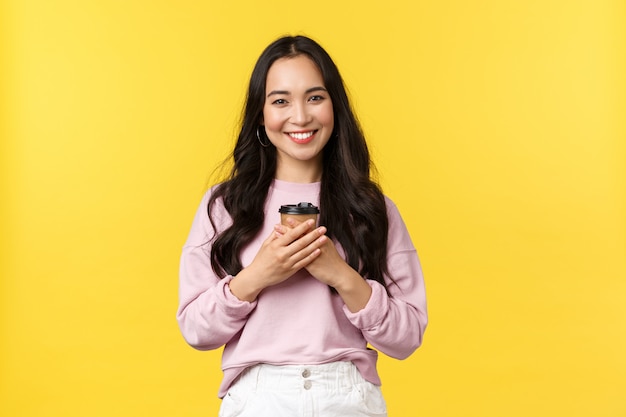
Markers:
point(497, 126)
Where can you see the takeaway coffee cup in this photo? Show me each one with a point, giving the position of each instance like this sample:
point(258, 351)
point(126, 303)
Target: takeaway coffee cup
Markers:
point(300, 212)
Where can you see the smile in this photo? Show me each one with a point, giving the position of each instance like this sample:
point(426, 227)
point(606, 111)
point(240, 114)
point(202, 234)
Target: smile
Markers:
point(302, 137)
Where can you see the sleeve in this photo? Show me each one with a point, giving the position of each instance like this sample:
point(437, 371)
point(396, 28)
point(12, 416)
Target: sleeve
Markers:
point(208, 314)
point(395, 323)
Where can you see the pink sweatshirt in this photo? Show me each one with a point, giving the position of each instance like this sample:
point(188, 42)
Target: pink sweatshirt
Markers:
point(299, 321)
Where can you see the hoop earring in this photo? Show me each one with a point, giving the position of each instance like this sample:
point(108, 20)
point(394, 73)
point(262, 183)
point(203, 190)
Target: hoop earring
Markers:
point(258, 136)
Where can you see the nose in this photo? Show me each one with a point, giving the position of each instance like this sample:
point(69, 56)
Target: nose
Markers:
point(300, 115)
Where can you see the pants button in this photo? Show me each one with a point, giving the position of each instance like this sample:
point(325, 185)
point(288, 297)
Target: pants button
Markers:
point(307, 384)
point(306, 373)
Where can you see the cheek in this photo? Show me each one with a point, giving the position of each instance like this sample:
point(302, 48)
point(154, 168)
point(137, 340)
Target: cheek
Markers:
point(271, 120)
point(326, 117)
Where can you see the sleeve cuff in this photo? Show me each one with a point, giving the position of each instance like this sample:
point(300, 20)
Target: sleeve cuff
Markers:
point(229, 303)
point(374, 311)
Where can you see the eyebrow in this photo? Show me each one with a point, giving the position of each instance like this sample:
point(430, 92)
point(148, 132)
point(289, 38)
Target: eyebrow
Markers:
point(285, 92)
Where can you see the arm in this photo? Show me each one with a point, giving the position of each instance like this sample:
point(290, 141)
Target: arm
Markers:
point(395, 325)
point(213, 310)
point(208, 315)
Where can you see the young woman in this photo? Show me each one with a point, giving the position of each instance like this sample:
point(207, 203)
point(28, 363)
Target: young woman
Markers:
point(295, 306)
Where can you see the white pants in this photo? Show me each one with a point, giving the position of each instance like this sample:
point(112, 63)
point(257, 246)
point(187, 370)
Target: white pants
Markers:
point(330, 390)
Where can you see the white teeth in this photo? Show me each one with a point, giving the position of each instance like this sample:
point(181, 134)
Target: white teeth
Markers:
point(301, 136)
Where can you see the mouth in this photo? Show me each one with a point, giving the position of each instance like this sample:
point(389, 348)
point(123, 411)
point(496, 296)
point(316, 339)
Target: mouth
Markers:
point(302, 137)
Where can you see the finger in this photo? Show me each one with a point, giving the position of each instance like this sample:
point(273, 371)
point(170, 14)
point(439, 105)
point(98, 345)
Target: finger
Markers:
point(292, 222)
point(302, 263)
point(297, 232)
point(309, 242)
point(313, 235)
point(280, 229)
point(272, 237)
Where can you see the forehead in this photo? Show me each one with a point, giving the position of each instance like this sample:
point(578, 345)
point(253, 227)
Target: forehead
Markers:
point(293, 73)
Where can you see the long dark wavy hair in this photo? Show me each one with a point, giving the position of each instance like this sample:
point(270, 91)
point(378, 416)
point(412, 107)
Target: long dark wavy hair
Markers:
point(359, 217)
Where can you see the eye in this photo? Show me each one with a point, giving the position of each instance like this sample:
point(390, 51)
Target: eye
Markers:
point(316, 98)
point(279, 101)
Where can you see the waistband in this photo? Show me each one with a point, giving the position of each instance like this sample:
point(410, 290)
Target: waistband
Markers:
point(334, 376)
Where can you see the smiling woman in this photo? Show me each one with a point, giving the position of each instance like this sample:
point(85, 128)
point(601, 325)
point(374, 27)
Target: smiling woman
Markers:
point(298, 118)
point(261, 288)
point(498, 128)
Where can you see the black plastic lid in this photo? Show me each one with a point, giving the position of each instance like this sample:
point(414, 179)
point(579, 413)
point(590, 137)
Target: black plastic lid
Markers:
point(300, 208)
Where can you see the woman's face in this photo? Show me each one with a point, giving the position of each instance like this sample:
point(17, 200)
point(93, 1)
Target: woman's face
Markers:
point(297, 114)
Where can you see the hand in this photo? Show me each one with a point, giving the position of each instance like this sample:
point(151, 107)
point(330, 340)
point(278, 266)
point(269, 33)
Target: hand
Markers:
point(331, 269)
point(282, 254)
point(328, 264)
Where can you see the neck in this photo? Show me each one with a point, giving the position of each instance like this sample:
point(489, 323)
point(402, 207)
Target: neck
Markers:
point(303, 172)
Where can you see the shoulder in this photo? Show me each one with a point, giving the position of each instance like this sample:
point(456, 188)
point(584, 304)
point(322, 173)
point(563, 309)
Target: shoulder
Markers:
point(213, 201)
point(393, 213)
point(399, 237)
point(211, 211)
